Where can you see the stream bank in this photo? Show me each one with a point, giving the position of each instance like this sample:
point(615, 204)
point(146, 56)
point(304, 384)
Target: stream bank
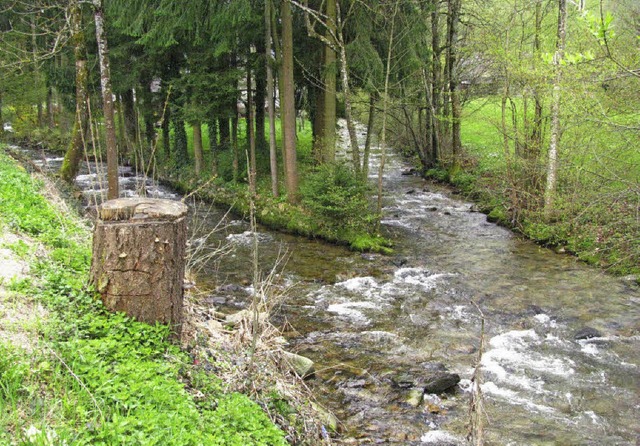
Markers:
point(378, 326)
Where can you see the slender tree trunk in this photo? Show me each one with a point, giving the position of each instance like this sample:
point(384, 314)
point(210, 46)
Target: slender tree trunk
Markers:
point(107, 99)
point(351, 126)
point(367, 142)
point(51, 117)
point(225, 136)
point(213, 146)
point(234, 146)
point(71, 163)
point(328, 111)
point(536, 131)
point(385, 99)
point(288, 109)
point(36, 77)
point(273, 160)
point(123, 144)
point(259, 100)
point(436, 81)
point(197, 146)
point(318, 124)
point(166, 133)
point(452, 74)
point(180, 141)
point(552, 165)
point(251, 134)
point(130, 118)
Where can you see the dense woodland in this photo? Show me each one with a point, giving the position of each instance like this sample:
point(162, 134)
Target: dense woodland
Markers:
point(529, 106)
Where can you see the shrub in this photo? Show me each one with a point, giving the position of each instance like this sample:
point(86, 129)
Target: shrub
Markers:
point(334, 192)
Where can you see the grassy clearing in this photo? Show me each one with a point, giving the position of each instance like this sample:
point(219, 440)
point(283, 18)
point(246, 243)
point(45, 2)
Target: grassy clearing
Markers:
point(97, 377)
point(596, 212)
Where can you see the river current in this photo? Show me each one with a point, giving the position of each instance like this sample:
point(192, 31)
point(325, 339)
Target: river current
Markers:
point(376, 325)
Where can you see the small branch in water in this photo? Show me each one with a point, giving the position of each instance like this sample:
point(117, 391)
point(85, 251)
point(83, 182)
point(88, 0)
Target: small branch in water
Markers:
point(477, 413)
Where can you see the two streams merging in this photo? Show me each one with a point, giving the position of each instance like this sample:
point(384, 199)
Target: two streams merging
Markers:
point(377, 326)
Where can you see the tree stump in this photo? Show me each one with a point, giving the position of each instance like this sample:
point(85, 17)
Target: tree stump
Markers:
point(139, 258)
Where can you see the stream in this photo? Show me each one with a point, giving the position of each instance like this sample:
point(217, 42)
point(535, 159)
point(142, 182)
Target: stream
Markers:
point(377, 326)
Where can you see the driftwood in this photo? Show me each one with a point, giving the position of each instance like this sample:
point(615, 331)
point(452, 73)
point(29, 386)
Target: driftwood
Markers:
point(139, 258)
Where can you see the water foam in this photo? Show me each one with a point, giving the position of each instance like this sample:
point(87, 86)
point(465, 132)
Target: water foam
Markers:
point(439, 437)
point(511, 356)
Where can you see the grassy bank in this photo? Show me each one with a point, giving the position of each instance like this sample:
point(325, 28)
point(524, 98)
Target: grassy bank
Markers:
point(595, 216)
point(87, 376)
point(333, 203)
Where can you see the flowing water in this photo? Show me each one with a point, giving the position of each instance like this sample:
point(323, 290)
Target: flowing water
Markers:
point(376, 326)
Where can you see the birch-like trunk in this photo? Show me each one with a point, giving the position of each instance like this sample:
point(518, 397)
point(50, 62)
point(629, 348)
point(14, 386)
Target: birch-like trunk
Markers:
point(107, 99)
point(552, 166)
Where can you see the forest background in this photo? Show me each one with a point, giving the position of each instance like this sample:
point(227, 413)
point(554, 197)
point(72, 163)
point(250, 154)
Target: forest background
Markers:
point(530, 107)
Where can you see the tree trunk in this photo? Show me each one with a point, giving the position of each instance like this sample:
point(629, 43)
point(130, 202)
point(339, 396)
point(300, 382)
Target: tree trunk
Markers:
point(536, 131)
point(234, 146)
point(166, 133)
point(288, 109)
point(225, 135)
point(367, 142)
point(250, 134)
point(351, 126)
point(107, 99)
point(385, 99)
point(51, 116)
point(273, 159)
point(123, 146)
point(213, 146)
point(436, 80)
point(71, 163)
point(552, 165)
point(452, 75)
point(197, 146)
point(328, 111)
point(180, 142)
point(139, 258)
point(259, 100)
point(130, 119)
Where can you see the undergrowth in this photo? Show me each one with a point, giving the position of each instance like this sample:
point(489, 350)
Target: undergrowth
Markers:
point(95, 377)
point(333, 206)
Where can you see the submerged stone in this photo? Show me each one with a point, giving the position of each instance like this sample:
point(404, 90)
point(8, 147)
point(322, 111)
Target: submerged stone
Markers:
point(414, 399)
point(587, 333)
point(441, 382)
point(301, 365)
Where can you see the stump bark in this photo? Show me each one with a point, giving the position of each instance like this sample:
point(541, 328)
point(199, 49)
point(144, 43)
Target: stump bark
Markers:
point(139, 258)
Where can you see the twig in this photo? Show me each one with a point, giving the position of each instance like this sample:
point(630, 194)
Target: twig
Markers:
point(476, 404)
point(77, 378)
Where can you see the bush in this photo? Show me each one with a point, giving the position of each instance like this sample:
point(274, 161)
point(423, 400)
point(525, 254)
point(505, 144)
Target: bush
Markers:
point(334, 193)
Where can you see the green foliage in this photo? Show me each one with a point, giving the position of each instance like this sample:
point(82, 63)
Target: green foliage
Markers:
point(334, 193)
point(593, 216)
point(102, 378)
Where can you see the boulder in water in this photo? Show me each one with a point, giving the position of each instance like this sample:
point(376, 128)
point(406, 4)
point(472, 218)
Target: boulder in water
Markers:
point(587, 333)
point(414, 399)
point(441, 382)
point(301, 365)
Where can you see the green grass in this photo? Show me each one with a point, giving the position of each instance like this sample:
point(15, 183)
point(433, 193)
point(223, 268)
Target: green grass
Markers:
point(97, 377)
point(595, 214)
